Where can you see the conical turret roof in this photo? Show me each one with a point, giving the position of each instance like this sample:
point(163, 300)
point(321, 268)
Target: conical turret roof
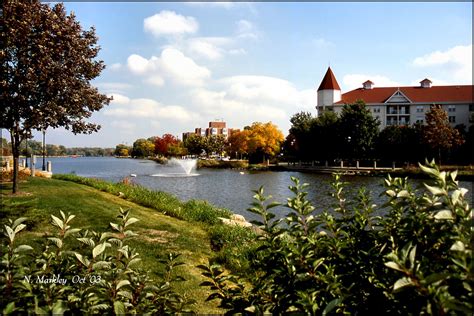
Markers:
point(329, 81)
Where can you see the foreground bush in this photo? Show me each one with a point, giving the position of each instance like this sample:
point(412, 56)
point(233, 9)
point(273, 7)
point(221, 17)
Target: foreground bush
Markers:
point(415, 259)
point(80, 272)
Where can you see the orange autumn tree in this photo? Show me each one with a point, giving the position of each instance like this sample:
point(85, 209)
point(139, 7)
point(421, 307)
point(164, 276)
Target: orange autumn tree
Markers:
point(238, 143)
point(438, 134)
point(264, 140)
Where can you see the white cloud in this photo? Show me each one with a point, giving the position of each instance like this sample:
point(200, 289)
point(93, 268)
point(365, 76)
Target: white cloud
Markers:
point(172, 65)
point(170, 23)
point(205, 48)
point(247, 30)
point(119, 99)
point(263, 88)
point(143, 108)
point(138, 65)
point(454, 64)
point(354, 81)
point(182, 69)
point(242, 100)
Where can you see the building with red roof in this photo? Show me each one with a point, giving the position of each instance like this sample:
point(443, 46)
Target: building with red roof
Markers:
point(400, 105)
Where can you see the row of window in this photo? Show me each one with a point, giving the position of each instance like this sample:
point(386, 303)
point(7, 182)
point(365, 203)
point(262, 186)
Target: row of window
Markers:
point(406, 109)
point(405, 121)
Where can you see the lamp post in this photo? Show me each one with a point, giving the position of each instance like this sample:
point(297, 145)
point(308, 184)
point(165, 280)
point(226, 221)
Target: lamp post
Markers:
point(26, 153)
point(44, 149)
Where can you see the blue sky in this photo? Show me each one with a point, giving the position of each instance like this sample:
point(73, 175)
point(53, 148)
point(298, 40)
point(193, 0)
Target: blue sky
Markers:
point(172, 67)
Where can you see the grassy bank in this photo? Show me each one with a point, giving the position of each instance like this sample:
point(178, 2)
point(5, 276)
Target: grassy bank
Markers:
point(158, 234)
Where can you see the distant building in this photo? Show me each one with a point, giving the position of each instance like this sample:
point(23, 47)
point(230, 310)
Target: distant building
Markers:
point(400, 105)
point(214, 129)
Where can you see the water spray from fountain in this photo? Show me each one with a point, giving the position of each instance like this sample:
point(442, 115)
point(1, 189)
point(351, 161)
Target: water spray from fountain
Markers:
point(179, 168)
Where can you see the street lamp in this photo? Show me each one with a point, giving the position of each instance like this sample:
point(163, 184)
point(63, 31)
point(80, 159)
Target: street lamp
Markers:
point(44, 149)
point(26, 153)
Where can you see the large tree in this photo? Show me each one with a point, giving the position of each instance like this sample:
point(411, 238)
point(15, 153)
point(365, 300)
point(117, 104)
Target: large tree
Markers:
point(358, 130)
point(301, 140)
point(162, 144)
point(264, 141)
point(438, 133)
point(48, 61)
point(143, 148)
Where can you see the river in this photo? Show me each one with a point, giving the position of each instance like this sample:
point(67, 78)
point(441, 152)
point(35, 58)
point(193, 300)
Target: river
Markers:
point(231, 189)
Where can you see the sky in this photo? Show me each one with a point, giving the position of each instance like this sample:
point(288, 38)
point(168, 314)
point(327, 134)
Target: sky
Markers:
point(172, 67)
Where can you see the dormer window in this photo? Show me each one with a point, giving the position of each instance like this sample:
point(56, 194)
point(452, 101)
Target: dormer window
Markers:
point(367, 85)
point(425, 83)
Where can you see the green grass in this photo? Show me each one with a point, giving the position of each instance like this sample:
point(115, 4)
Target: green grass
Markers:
point(158, 234)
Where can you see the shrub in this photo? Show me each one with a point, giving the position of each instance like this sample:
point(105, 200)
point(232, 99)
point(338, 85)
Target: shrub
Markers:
point(81, 272)
point(415, 259)
point(233, 246)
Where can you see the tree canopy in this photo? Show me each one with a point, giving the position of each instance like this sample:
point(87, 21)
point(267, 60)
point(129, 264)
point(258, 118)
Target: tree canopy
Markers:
point(264, 139)
point(358, 130)
point(438, 133)
point(48, 62)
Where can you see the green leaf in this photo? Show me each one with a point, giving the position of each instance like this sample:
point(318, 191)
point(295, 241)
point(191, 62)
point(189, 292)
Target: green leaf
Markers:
point(115, 226)
point(444, 214)
point(331, 305)
point(19, 228)
point(130, 221)
point(9, 309)
point(394, 265)
point(57, 222)
point(412, 256)
point(435, 190)
point(403, 194)
point(10, 233)
point(401, 283)
point(18, 221)
point(59, 308)
point(98, 250)
point(58, 242)
point(23, 248)
point(122, 283)
point(119, 308)
point(458, 246)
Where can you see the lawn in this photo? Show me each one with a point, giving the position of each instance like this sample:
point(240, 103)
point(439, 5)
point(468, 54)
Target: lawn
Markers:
point(158, 234)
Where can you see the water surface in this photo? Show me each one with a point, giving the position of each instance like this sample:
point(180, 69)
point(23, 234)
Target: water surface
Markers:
point(231, 189)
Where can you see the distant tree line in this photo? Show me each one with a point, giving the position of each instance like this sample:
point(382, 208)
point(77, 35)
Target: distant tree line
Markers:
point(33, 147)
point(258, 142)
point(354, 134)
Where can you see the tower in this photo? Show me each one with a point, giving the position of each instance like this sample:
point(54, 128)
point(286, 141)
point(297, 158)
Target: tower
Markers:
point(329, 92)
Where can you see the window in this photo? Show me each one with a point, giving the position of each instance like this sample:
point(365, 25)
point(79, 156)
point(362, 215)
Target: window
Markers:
point(471, 107)
point(420, 119)
point(376, 110)
point(452, 119)
point(419, 109)
point(451, 108)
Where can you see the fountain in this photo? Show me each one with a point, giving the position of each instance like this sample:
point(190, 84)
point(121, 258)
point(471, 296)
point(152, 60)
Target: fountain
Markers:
point(185, 166)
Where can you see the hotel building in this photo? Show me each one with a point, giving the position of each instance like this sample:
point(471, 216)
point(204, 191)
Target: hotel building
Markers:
point(400, 105)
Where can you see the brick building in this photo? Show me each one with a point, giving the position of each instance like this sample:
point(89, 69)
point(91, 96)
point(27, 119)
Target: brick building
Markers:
point(215, 128)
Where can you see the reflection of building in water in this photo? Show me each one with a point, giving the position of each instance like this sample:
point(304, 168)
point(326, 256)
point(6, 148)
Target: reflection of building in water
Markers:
point(215, 128)
point(400, 105)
